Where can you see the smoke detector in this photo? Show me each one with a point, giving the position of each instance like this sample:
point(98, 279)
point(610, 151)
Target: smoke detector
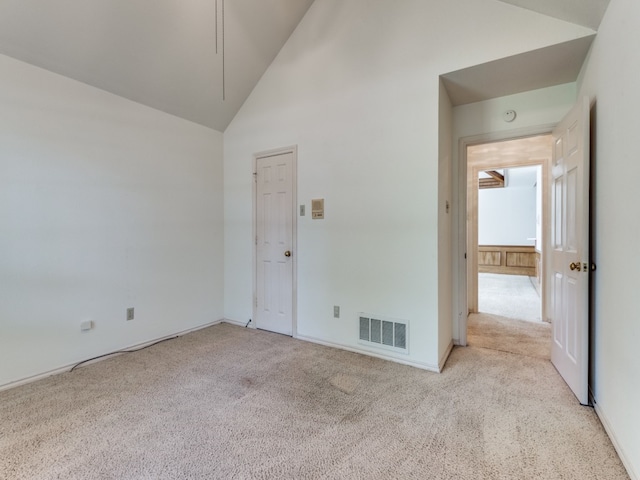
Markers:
point(509, 116)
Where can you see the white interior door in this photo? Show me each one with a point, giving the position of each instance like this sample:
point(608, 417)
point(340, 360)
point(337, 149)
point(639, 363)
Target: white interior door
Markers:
point(274, 242)
point(569, 269)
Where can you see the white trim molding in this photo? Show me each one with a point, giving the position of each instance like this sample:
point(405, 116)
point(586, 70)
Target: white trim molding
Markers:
point(624, 457)
point(445, 356)
point(89, 361)
point(423, 366)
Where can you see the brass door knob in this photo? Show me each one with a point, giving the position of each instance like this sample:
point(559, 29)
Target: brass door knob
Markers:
point(575, 266)
point(287, 253)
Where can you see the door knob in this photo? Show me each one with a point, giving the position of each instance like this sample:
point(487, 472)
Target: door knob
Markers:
point(287, 253)
point(575, 266)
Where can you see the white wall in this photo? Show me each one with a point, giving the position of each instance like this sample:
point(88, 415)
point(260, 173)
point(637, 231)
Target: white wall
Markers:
point(610, 78)
point(543, 107)
point(507, 216)
point(104, 204)
point(537, 107)
point(356, 88)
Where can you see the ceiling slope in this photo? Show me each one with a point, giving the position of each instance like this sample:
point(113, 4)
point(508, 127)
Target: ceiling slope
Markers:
point(160, 53)
point(163, 53)
point(587, 13)
point(545, 67)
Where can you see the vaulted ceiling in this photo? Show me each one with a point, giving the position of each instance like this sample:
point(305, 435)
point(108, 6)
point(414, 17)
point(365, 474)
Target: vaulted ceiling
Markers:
point(587, 13)
point(181, 57)
point(161, 53)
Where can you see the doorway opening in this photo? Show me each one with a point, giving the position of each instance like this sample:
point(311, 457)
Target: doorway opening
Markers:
point(506, 212)
point(509, 252)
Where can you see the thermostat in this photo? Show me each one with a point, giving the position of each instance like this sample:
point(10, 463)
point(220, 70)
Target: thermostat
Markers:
point(317, 208)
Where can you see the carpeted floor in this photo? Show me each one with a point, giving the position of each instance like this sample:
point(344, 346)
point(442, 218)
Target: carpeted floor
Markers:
point(234, 403)
point(511, 296)
point(509, 335)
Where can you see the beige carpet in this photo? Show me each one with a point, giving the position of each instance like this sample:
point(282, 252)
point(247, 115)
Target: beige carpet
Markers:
point(509, 335)
point(235, 403)
point(511, 296)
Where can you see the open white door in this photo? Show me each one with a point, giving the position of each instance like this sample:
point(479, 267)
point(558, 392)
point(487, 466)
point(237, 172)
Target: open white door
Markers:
point(274, 242)
point(569, 262)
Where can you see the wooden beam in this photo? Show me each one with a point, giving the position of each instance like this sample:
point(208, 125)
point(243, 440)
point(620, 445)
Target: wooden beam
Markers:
point(495, 180)
point(497, 175)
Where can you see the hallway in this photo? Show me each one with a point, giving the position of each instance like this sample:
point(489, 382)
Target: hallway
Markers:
point(511, 296)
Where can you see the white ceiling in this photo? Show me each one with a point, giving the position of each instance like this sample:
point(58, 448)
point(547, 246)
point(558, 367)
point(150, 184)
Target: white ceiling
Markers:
point(545, 67)
point(161, 53)
point(541, 68)
point(587, 13)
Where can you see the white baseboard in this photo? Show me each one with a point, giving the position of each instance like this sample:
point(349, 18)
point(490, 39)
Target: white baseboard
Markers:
point(34, 378)
point(66, 368)
point(445, 356)
point(237, 322)
point(423, 366)
point(621, 453)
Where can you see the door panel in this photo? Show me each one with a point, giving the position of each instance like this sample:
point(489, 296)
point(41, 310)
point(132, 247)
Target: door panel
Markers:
point(573, 330)
point(556, 303)
point(572, 207)
point(558, 207)
point(570, 250)
point(274, 238)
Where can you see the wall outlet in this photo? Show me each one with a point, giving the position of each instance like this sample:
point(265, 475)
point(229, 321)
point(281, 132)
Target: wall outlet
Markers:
point(130, 313)
point(336, 311)
point(86, 326)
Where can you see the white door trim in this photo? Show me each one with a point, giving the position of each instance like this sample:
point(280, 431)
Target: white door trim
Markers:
point(294, 258)
point(462, 304)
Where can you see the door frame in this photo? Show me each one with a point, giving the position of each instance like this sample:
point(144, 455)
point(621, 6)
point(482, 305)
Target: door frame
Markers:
point(473, 224)
point(464, 254)
point(293, 150)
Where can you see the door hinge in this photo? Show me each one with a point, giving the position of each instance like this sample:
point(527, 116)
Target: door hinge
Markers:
point(256, 240)
point(255, 177)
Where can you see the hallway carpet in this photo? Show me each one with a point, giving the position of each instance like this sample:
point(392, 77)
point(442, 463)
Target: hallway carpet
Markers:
point(511, 296)
point(508, 335)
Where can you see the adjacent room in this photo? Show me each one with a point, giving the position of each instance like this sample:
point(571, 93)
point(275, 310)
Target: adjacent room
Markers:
point(235, 239)
point(507, 228)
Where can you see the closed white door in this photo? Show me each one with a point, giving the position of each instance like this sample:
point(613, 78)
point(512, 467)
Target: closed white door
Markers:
point(274, 242)
point(570, 265)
